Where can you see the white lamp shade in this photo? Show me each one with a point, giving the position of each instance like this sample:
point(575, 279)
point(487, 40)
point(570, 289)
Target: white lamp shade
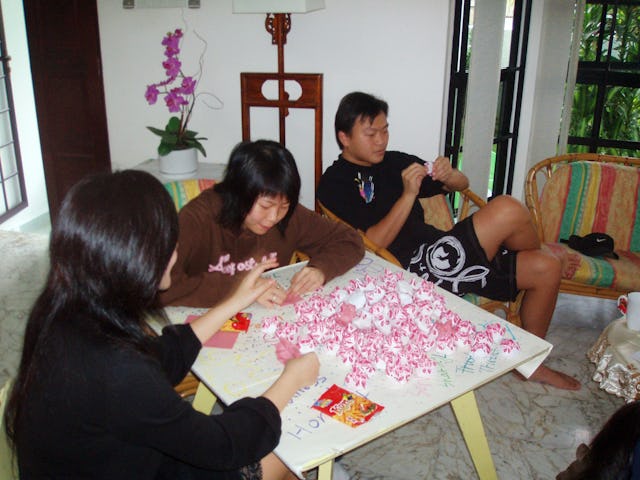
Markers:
point(277, 6)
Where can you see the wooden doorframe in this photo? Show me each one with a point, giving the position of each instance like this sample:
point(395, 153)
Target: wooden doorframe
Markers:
point(64, 51)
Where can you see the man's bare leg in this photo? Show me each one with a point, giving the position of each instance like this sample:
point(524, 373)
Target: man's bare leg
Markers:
point(505, 221)
point(538, 273)
point(554, 378)
point(570, 263)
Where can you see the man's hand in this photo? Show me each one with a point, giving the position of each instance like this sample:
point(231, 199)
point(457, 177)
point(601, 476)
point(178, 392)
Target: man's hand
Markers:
point(452, 178)
point(412, 177)
point(385, 231)
point(442, 169)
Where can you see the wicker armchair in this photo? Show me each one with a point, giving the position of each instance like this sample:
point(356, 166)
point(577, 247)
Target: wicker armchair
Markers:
point(439, 213)
point(582, 193)
point(188, 386)
point(369, 244)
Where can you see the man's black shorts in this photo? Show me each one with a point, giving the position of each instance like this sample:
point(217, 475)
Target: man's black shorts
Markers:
point(456, 262)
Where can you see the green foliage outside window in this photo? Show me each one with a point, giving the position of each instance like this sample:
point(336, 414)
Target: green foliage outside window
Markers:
point(618, 54)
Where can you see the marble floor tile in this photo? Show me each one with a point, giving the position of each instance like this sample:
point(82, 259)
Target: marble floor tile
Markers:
point(533, 430)
point(23, 268)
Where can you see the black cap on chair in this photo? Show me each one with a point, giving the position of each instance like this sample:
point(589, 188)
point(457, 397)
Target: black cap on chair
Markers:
point(594, 245)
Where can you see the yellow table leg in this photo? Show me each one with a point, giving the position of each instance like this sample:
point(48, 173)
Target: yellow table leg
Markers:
point(325, 470)
point(466, 411)
point(204, 399)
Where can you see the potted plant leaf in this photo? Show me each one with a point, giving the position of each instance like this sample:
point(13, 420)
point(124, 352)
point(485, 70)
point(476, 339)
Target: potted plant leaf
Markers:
point(177, 151)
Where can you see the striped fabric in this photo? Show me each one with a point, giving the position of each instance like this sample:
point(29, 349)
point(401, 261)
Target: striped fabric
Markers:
point(604, 272)
point(584, 197)
point(182, 191)
point(476, 299)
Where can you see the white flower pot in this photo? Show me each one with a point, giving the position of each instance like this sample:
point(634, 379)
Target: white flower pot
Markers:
point(179, 163)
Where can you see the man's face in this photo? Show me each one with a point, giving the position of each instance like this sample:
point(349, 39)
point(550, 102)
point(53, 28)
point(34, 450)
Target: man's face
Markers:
point(367, 142)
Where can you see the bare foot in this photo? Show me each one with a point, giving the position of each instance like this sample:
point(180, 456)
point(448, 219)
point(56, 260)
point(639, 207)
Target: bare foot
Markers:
point(554, 378)
point(570, 263)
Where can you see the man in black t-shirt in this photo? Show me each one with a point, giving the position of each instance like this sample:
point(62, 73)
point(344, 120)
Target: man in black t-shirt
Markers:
point(494, 253)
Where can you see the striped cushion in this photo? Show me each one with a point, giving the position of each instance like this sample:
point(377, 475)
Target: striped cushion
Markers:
point(182, 191)
point(622, 274)
point(585, 197)
point(476, 299)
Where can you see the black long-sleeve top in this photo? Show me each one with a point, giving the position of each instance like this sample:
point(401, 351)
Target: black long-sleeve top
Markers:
point(103, 411)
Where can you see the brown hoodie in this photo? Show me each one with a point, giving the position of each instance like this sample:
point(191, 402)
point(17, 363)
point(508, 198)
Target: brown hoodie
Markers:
point(212, 259)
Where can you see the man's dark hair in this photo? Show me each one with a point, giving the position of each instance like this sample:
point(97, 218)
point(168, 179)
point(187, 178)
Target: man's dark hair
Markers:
point(357, 105)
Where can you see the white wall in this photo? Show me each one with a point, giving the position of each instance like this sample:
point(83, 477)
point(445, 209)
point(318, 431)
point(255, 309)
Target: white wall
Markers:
point(483, 89)
point(394, 50)
point(26, 120)
point(544, 93)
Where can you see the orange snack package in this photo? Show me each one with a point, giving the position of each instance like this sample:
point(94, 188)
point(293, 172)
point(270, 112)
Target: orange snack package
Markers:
point(346, 407)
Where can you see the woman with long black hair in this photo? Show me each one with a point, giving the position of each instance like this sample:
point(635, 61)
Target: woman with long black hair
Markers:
point(93, 397)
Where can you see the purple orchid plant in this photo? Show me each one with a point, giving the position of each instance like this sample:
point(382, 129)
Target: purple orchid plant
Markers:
point(179, 91)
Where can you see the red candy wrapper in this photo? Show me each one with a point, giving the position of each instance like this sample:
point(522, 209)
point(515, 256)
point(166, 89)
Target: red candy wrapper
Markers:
point(346, 407)
point(622, 304)
point(238, 323)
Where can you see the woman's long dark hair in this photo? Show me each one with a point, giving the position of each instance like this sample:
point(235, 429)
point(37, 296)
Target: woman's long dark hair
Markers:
point(111, 243)
point(257, 168)
point(610, 454)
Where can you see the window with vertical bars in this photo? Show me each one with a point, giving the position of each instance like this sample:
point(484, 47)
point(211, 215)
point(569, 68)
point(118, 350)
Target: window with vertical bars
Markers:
point(12, 188)
point(605, 117)
point(514, 54)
